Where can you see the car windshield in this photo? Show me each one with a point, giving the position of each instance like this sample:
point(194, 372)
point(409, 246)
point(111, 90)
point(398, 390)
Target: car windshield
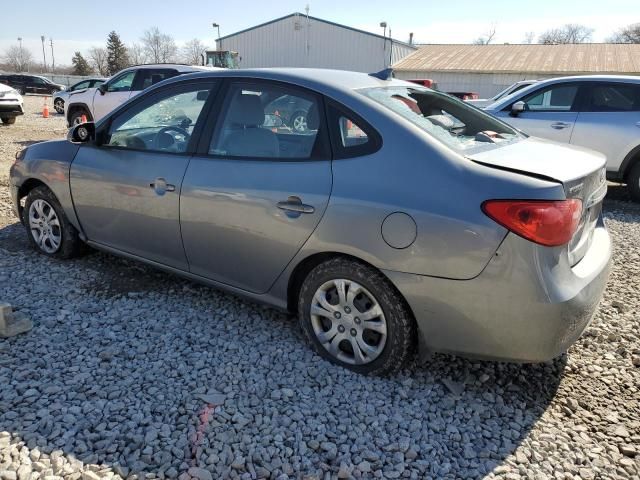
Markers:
point(447, 119)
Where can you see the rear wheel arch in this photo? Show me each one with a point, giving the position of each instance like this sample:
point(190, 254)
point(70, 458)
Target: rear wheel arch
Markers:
point(305, 266)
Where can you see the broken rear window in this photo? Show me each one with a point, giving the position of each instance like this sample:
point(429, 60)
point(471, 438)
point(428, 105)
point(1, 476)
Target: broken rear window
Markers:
point(449, 120)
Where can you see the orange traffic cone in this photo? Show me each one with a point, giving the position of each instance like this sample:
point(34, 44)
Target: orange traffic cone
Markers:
point(45, 111)
point(83, 118)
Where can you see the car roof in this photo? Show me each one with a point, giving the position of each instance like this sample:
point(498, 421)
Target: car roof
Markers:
point(314, 78)
point(177, 66)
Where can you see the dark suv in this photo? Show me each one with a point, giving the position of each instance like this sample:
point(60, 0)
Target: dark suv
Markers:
point(31, 84)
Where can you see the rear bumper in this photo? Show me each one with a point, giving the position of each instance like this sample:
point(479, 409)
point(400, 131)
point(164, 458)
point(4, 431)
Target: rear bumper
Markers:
point(528, 305)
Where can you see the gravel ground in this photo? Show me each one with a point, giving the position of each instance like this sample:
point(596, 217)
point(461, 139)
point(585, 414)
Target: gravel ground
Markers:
point(133, 373)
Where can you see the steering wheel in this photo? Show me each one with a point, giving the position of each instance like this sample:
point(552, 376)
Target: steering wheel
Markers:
point(171, 128)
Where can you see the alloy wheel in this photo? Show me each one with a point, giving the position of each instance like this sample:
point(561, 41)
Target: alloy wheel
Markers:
point(348, 322)
point(45, 226)
point(300, 123)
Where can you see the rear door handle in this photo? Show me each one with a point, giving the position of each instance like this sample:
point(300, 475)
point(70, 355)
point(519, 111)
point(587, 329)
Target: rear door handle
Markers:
point(294, 204)
point(560, 125)
point(160, 186)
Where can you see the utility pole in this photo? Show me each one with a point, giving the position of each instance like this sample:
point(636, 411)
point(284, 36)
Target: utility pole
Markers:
point(44, 56)
point(53, 59)
point(217, 25)
point(384, 42)
point(21, 57)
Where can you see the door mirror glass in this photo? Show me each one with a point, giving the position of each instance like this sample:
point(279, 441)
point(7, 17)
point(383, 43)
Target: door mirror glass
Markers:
point(517, 108)
point(82, 133)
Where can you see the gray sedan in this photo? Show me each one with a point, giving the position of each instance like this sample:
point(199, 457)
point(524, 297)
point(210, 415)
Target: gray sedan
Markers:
point(400, 219)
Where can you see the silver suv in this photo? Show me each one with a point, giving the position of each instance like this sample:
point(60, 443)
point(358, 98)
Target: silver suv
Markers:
point(601, 112)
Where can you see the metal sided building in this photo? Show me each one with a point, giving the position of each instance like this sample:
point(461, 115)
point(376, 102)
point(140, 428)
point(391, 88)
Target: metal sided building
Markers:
point(488, 69)
point(299, 40)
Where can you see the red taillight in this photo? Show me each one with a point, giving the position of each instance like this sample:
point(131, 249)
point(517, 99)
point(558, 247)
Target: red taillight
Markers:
point(549, 223)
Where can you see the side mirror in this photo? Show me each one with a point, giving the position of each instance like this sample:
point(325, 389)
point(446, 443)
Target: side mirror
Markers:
point(82, 133)
point(272, 121)
point(102, 88)
point(517, 108)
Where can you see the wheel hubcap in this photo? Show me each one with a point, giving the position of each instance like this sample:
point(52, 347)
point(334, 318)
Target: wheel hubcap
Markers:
point(45, 226)
point(348, 322)
point(300, 123)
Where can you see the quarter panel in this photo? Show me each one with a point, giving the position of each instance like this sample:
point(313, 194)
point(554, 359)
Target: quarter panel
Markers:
point(49, 163)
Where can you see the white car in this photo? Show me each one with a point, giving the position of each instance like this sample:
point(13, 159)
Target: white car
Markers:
point(601, 112)
point(11, 104)
point(59, 98)
point(95, 103)
point(483, 102)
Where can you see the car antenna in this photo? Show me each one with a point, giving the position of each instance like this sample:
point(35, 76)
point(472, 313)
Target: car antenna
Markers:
point(386, 74)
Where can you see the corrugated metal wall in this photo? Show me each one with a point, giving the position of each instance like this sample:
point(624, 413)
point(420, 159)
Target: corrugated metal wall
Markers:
point(297, 42)
point(485, 84)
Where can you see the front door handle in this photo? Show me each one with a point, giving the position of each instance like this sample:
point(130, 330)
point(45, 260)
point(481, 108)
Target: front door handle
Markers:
point(294, 204)
point(560, 125)
point(160, 186)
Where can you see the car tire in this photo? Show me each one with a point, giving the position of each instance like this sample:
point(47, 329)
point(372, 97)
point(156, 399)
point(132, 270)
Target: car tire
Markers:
point(633, 182)
point(75, 117)
point(58, 105)
point(298, 121)
point(48, 228)
point(9, 120)
point(22, 91)
point(385, 343)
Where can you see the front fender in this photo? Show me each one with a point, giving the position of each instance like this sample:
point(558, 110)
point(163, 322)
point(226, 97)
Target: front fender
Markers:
point(47, 163)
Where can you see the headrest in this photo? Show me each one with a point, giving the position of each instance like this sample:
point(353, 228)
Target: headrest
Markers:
point(313, 117)
point(246, 110)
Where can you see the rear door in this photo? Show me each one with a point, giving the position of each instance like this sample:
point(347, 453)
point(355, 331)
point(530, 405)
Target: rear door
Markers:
point(257, 190)
point(118, 91)
point(610, 121)
point(550, 112)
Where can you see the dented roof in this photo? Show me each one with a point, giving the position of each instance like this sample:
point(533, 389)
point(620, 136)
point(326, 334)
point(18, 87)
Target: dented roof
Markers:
point(552, 59)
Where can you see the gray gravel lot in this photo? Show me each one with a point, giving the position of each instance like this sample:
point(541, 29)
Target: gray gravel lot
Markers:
point(133, 373)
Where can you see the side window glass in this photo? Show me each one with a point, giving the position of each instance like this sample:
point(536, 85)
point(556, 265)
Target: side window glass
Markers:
point(80, 85)
point(557, 98)
point(150, 77)
point(165, 125)
point(615, 98)
point(122, 83)
point(267, 121)
point(351, 135)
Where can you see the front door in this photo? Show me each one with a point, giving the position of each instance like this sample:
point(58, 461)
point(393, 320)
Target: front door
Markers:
point(550, 112)
point(126, 191)
point(255, 193)
point(116, 92)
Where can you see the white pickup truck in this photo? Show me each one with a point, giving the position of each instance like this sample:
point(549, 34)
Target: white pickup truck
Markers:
point(95, 103)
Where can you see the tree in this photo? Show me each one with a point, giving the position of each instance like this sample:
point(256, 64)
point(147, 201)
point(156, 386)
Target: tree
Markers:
point(159, 47)
point(98, 59)
point(192, 51)
point(136, 54)
point(628, 34)
point(17, 58)
point(117, 57)
point(569, 33)
point(487, 38)
point(80, 65)
point(528, 37)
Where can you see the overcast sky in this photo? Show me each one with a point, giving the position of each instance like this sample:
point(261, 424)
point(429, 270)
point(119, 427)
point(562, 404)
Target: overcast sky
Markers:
point(79, 25)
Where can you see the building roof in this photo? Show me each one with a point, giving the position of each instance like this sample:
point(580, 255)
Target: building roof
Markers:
point(317, 20)
point(548, 59)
